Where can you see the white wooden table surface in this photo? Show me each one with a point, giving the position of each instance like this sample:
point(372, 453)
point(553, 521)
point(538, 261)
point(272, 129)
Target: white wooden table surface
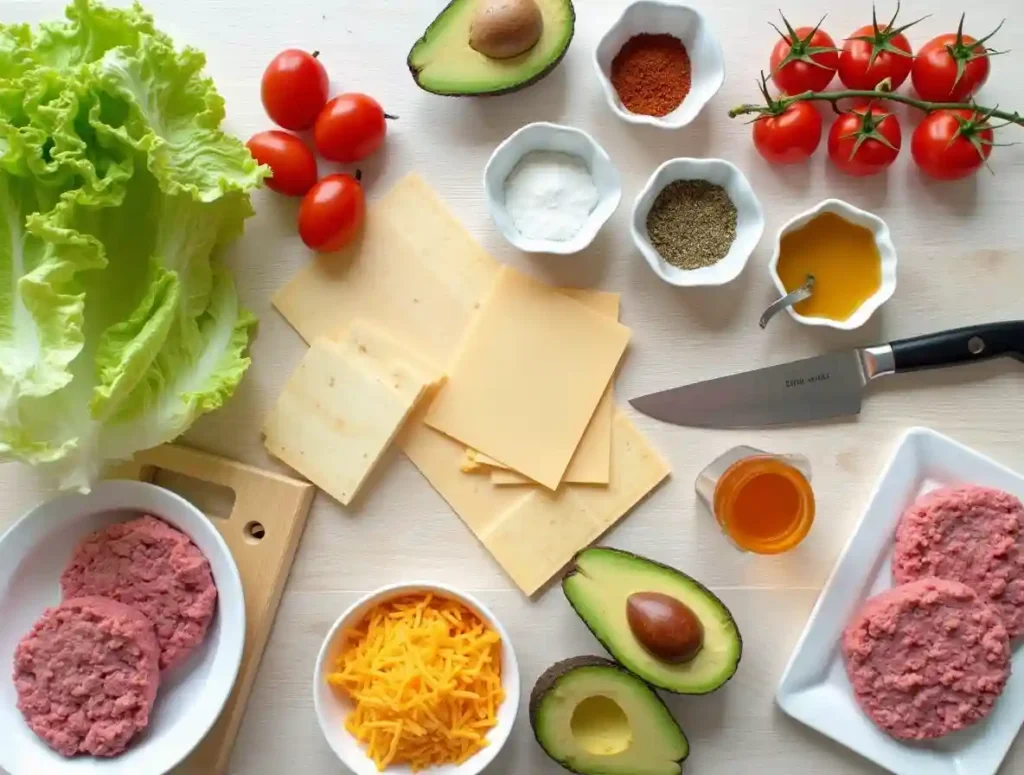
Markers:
point(961, 261)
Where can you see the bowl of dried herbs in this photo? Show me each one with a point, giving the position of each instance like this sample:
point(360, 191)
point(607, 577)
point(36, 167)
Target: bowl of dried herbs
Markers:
point(697, 221)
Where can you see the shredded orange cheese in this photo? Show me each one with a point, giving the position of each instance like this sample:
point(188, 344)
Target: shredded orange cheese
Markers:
point(425, 675)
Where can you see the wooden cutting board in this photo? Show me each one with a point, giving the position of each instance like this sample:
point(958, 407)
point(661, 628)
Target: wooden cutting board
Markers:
point(262, 531)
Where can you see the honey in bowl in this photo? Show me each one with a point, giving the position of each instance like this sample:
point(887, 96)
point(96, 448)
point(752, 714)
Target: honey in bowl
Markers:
point(842, 257)
point(764, 504)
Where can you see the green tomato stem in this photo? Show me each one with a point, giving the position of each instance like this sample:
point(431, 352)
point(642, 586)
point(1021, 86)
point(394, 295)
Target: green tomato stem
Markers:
point(780, 104)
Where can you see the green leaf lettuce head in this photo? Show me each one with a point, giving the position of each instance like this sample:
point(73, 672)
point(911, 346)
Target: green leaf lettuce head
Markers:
point(119, 326)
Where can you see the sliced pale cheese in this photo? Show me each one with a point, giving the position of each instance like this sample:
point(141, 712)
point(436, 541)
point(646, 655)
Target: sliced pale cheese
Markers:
point(528, 376)
point(377, 348)
point(341, 409)
point(325, 298)
point(590, 463)
point(414, 271)
point(533, 533)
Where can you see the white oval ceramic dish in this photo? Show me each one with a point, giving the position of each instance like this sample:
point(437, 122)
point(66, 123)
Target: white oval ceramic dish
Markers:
point(34, 553)
point(749, 220)
point(886, 250)
point(543, 136)
point(332, 708)
point(689, 25)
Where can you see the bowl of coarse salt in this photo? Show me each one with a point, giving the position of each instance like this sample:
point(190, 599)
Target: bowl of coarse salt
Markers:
point(550, 188)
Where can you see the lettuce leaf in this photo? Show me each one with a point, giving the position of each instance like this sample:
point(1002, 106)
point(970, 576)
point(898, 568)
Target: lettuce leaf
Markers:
point(119, 325)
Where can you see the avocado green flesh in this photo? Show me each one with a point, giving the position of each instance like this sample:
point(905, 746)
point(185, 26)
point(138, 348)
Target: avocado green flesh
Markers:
point(643, 739)
point(443, 62)
point(598, 588)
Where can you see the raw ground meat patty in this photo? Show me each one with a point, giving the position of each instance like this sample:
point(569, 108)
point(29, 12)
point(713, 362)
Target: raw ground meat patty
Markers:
point(926, 658)
point(147, 564)
point(87, 675)
point(969, 534)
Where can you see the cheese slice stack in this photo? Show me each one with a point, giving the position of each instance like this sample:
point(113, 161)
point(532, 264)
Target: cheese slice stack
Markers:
point(528, 385)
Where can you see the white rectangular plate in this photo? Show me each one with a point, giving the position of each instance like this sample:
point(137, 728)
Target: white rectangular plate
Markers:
point(814, 688)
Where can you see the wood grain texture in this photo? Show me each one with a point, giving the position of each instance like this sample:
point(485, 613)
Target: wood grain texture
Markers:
point(961, 262)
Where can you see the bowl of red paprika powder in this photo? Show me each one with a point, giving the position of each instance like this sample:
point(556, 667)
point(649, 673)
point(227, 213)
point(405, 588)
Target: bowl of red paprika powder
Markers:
point(659, 64)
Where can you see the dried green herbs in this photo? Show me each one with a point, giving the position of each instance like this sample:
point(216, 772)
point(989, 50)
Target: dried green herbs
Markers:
point(692, 223)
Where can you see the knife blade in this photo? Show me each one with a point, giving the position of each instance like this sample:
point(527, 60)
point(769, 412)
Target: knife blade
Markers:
point(825, 386)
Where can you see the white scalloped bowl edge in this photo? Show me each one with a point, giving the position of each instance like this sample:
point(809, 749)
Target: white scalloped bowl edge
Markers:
point(886, 250)
point(749, 220)
point(545, 136)
point(692, 28)
point(332, 708)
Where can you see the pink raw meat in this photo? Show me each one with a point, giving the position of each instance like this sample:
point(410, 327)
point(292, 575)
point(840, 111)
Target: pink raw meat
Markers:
point(970, 534)
point(87, 675)
point(926, 658)
point(147, 564)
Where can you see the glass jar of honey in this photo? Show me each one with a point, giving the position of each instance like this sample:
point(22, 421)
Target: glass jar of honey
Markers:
point(763, 502)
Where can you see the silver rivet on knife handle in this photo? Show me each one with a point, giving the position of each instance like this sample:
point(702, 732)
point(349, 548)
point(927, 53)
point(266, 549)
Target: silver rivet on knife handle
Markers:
point(877, 361)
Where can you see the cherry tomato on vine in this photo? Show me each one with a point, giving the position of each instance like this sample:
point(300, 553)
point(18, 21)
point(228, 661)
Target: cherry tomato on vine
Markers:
point(291, 163)
point(952, 144)
point(865, 141)
point(804, 59)
point(873, 54)
point(952, 67)
point(350, 128)
point(332, 213)
point(294, 89)
point(789, 137)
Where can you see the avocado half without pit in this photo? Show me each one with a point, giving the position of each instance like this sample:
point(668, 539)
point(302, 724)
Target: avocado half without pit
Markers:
point(486, 47)
point(656, 621)
point(594, 718)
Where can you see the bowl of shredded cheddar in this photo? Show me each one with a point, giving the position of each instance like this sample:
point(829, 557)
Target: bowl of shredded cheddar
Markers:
point(416, 677)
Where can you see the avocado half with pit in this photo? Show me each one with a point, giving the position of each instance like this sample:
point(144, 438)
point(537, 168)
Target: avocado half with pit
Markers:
point(600, 585)
point(444, 62)
point(594, 718)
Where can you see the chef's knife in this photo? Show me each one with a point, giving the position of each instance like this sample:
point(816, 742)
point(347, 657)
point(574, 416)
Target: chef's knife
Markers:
point(827, 385)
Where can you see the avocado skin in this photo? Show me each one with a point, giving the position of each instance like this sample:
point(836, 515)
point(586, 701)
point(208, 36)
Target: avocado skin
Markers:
point(573, 569)
point(550, 676)
point(496, 92)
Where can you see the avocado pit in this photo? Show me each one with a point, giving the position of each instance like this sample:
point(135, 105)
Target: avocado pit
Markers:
point(667, 628)
point(502, 29)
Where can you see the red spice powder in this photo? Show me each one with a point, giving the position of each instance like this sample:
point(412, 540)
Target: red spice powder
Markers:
point(651, 73)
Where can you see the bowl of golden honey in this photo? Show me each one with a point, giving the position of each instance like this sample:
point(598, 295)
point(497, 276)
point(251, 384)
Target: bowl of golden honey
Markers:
point(851, 256)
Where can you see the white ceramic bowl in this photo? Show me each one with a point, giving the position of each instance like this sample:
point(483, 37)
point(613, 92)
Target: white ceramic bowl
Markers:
point(332, 707)
point(689, 25)
point(34, 553)
point(543, 136)
point(749, 220)
point(886, 250)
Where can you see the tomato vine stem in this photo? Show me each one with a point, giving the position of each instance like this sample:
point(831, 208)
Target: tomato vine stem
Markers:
point(779, 104)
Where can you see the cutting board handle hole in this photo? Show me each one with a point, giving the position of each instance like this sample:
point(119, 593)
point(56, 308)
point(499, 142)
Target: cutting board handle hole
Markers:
point(254, 532)
point(214, 500)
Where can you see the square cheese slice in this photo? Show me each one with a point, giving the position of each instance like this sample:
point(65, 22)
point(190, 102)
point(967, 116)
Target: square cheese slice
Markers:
point(528, 376)
point(591, 463)
point(342, 407)
point(533, 532)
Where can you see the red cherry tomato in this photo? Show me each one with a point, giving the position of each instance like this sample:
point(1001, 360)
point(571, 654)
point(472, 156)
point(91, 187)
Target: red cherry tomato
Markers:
point(951, 144)
point(804, 59)
point(873, 53)
point(332, 213)
point(865, 141)
point(294, 89)
point(789, 137)
point(291, 163)
point(951, 68)
point(350, 128)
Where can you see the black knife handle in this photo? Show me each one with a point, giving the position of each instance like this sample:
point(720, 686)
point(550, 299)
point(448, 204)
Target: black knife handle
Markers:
point(961, 345)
